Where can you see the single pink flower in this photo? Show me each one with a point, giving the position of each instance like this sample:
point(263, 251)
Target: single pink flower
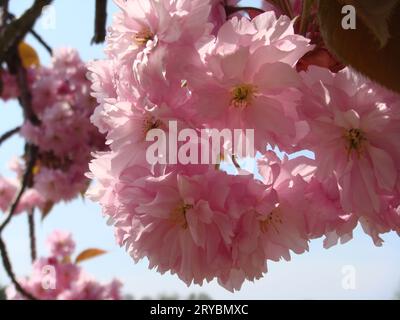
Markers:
point(248, 80)
point(60, 244)
point(353, 135)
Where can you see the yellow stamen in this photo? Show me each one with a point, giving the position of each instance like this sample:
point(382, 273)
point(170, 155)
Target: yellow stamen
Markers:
point(273, 219)
point(178, 215)
point(151, 123)
point(242, 95)
point(355, 140)
point(142, 37)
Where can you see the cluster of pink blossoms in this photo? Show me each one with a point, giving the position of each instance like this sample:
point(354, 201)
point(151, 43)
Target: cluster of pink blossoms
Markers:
point(56, 277)
point(185, 61)
point(65, 137)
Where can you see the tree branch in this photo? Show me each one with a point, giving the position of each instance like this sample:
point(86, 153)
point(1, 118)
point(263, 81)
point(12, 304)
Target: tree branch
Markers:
point(36, 36)
point(10, 273)
point(17, 29)
point(8, 134)
point(25, 97)
point(41, 41)
point(100, 22)
point(32, 236)
point(32, 153)
point(26, 181)
point(3, 13)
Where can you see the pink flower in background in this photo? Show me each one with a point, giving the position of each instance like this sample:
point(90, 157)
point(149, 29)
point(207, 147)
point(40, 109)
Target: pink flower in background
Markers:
point(86, 288)
point(9, 88)
point(60, 244)
point(57, 278)
point(8, 190)
point(30, 200)
point(65, 136)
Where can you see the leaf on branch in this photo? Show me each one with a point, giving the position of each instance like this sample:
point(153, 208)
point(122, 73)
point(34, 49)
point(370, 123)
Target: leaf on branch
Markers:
point(361, 48)
point(375, 15)
point(28, 55)
point(83, 191)
point(48, 206)
point(89, 254)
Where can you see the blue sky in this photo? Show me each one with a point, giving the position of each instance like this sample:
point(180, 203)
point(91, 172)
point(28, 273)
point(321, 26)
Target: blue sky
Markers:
point(314, 275)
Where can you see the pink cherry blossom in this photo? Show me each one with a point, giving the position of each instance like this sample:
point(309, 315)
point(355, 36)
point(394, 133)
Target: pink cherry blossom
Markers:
point(60, 244)
point(249, 81)
point(8, 190)
point(187, 61)
point(353, 135)
point(30, 198)
point(297, 186)
point(177, 208)
point(57, 278)
point(9, 88)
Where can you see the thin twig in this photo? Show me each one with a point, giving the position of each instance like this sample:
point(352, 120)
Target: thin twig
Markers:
point(32, 152)
point(10, 273)
point(17, 29)
point(36, 36)
point(41, 41)
point(100, 22)
point(25, 97)
point(32, 235)
point(9, 134)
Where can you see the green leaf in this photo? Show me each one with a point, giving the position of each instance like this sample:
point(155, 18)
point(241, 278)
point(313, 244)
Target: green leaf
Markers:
point(361, 48)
